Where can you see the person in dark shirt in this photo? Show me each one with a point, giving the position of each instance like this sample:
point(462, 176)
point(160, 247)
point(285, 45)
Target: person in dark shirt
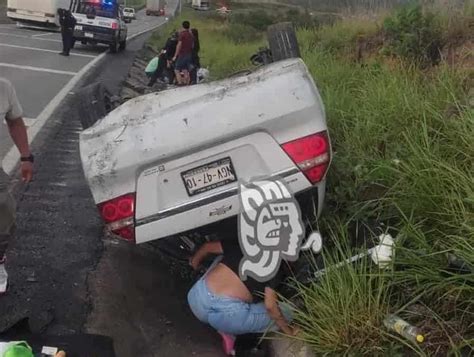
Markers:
point(183, 55)
point(195, 61)
point(67, 22)
point(232, 306)
point(166, 59)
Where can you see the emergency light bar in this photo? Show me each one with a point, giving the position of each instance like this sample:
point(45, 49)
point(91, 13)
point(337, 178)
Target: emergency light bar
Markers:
point(104, 2)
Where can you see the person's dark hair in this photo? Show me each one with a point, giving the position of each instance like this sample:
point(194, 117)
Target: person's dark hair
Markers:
point(186, 25)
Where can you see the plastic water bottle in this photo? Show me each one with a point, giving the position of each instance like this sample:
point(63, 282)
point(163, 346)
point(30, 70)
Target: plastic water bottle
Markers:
point(404, 329)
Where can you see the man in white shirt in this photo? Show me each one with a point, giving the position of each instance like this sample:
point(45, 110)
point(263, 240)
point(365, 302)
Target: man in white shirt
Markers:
point(11, 112)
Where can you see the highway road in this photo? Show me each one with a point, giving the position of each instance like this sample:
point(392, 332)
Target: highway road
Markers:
point(29, 59)
point(65, 279)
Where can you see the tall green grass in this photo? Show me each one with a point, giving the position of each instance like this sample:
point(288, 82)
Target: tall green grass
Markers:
point(136, 4)
point(404, 154)
point(344, 309)
point(219, 53)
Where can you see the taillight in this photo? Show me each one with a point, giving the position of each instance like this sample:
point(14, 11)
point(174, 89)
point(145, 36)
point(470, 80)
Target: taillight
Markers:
point(119, 215)
point(311, 154)
point(114, 26)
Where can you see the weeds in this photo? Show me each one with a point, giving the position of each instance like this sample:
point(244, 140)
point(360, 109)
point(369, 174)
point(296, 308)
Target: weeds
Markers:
point(136, 4)
point(414, 36)
point(403, 153)
point(219, 54)
point(240, 33)
point(259, 19)
point(359, 295)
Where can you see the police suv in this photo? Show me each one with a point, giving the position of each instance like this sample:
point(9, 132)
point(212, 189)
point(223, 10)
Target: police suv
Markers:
point(100, 21)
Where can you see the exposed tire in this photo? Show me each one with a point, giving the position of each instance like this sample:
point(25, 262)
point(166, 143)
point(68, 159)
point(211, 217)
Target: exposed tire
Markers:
point(123, 45)
point(73, 43)
point(93, 102)
point(283, 41)
point(113, 47)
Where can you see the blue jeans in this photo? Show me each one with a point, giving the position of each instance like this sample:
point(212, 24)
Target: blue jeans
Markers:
point(230, 315)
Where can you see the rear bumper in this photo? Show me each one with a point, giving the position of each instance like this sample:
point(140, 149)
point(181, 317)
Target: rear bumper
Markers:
point(310, 201)
point(98, 37)
point(219, 208)
point(31, 18)
point(155, 12)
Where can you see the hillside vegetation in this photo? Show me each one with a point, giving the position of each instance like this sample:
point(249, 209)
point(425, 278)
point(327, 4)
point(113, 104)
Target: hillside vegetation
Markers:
point(399, 101)
point(374, 5)
point(136, 4)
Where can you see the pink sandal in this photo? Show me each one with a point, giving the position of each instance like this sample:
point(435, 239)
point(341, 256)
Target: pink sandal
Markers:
point(228, 343)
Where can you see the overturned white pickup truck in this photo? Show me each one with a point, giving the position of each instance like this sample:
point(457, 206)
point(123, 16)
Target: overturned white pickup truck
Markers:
point(169, 162)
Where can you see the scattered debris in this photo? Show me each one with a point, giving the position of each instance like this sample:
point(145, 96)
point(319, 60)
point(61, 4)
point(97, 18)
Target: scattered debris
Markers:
point(404, 329)
point(32, 278)
point(286, 347)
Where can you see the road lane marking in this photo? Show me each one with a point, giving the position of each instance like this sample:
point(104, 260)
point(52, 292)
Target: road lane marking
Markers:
point(43, 34)
point(12, 158)
point(29, 37)
point(38, 69)
point(43, 50)
point(29, 121)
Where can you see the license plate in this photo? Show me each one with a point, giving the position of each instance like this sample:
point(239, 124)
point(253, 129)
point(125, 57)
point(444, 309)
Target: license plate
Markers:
point(89, 35)
point(209, 177)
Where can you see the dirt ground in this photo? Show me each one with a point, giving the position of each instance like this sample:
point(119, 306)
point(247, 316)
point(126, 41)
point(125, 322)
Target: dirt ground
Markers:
point(140, 301)
point(66, 280)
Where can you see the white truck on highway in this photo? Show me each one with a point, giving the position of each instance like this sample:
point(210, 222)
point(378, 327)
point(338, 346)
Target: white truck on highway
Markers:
point(155, 7)
point(169, 163)
point(36, 12)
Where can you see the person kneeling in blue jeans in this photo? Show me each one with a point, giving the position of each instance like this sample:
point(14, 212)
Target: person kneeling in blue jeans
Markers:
point(232, 306)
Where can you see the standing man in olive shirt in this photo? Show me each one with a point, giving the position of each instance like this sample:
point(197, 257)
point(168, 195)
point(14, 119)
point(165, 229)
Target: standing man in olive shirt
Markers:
point(11, 112)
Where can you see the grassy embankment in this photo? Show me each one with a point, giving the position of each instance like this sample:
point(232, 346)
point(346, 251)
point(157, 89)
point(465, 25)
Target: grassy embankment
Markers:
point(136, 4)
point(402, 131)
